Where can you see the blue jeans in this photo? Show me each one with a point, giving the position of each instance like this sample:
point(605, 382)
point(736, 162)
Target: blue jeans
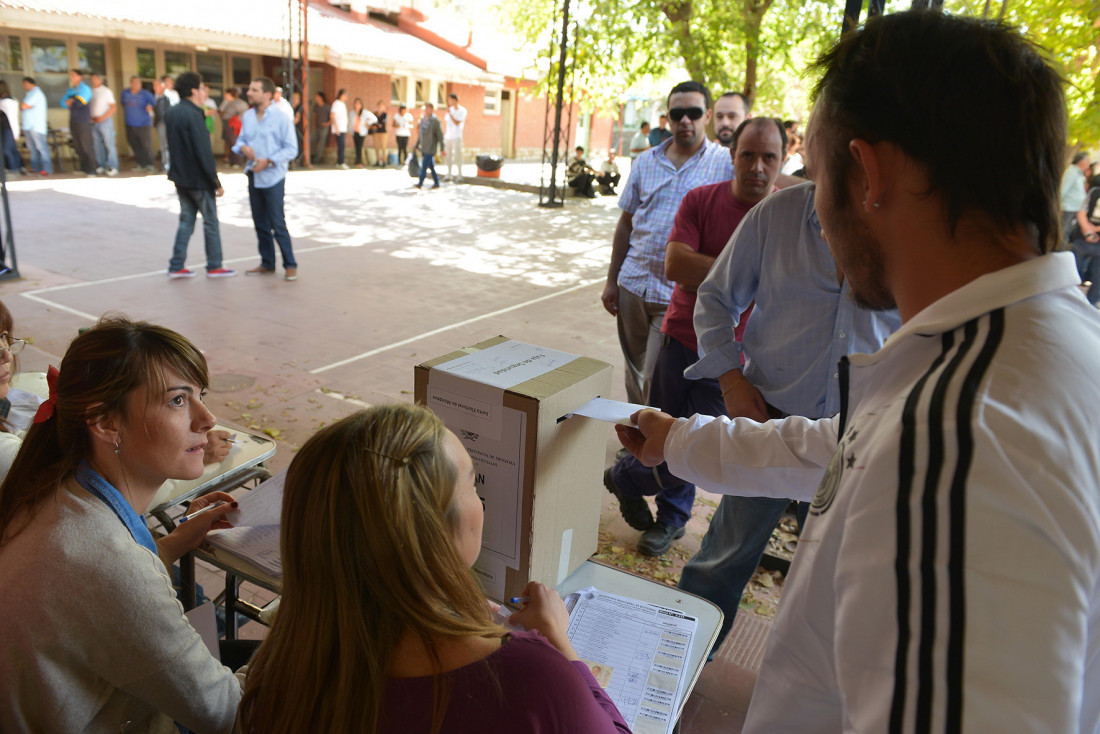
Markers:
point(270, 223)
point(679, 397)
point(193, 201)
point(40, 151)
point(103, 137)
point(731, 550)
point(427, 162)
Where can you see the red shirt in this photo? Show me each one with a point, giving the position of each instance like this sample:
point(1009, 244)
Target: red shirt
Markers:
point(704, 222)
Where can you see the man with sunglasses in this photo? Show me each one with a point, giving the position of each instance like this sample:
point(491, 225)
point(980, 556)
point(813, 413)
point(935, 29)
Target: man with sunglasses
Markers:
point(637, 292)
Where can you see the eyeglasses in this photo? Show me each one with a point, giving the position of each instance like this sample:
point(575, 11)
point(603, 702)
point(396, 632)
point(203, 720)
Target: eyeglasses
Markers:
point(693, 113)
point(15, 346)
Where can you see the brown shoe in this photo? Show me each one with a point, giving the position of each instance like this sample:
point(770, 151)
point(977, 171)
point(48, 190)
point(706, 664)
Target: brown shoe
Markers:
point(260, 270)
point(292, 273)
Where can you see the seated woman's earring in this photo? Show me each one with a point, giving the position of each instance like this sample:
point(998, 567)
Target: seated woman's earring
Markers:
point(116, 448)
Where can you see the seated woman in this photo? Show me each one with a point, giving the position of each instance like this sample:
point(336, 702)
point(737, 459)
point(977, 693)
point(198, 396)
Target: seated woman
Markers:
point(10, 438)
point(382, 626)
point(93, 638)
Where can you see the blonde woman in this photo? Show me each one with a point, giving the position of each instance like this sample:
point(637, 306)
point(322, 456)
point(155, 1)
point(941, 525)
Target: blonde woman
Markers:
point(382, 627)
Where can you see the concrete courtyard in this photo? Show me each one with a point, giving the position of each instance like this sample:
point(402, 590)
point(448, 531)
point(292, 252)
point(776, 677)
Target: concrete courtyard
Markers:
point(389, 276)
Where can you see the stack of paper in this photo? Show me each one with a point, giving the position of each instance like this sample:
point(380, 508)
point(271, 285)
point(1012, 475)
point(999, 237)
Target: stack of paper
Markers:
point(254, 536)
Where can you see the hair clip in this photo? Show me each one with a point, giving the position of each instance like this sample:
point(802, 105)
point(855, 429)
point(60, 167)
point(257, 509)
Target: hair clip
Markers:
point(403, 461)
point(47, 409)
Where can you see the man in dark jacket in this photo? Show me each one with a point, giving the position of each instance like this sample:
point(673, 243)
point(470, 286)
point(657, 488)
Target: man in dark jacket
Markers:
point(428, 142)
point(195, 175)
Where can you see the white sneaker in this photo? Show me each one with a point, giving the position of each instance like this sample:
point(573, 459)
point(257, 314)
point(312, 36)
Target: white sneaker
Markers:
point(343, 166)
point(112, 172)
point(100, 170)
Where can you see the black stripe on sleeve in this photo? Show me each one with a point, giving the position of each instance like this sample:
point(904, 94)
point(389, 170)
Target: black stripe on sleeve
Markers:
point(956, 561)
point(906, 460)
point(930, 517)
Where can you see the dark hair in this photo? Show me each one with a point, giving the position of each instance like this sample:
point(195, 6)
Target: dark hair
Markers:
point(167, 78)
point(402, 107)
point(78, 72)
point(692, 86)
point(100, 371)
point(580, 148)
point(644, 124)
point(187, 83)
point(453, 96)
point(4, 91)
point(324, 99)
point(338, 94)
point(359, 102)
point(29, 79)
point(266, 84)
point(744, 101)
point(1078, 157)
point(1094, 182)
point(908, 73)
point(761, 121)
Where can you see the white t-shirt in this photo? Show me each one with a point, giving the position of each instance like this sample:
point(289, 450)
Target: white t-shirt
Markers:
point(173, 96)
point(339, 114)
point(102, 99)
point(283, 106)
point(10, 108)
point(402, 125)
point(454, 129)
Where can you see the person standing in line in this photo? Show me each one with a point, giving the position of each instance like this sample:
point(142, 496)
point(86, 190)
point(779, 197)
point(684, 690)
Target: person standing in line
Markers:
point(379, 134)
point(35, 126)
point(281, 104)
point(137, 104)
point(318, 135)
point(357, 130)
point(103, 127)
point(338, 116)
point(77, 99)
point(166, 97)
point(429, 139)
point(231, 109)
point(640, 142)
point(402, 128)
point(269, 144)
point(452, 138)
point(9, 110)
point(661, 134)
point(196, 178)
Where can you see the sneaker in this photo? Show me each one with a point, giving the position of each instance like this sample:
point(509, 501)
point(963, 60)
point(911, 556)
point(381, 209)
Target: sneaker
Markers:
point(220, 273)
point(291, 274)
point(43, 173)
point(343, 166)
point(418, 186)
point(182, 273)
point(658, 539)
point(260, 270)
point(100, 170)
point(112, 172)
point(635, 510)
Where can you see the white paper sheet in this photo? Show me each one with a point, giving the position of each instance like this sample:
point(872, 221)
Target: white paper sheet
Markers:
point(254, 536)
point(646, 646)
point(506, 364)
point(260, 506)
point(611, 411)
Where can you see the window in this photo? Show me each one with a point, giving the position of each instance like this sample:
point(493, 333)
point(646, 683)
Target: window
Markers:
point(440, 95)
point(11, 63)
point(492, 101)
point(92, 57)
point(177, 62)
point(242, 71)
point(50, 68)
point(421, 92)
point(146, 63)
point(212, 68)
point(398, 90)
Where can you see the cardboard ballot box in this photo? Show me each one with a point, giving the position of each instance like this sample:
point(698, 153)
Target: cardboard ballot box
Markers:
point(537, 471)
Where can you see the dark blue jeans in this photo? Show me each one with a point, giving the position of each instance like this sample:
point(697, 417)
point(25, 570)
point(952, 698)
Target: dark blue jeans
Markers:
point(270, 223)
point(680, 397)
point(427, 161)
point(192, 202)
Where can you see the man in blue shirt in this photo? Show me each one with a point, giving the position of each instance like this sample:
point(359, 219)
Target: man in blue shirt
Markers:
point(661, 133)
point(195, 175)
point(269, 143)
point(137, 106)
point(78, 99)
point(35, 127)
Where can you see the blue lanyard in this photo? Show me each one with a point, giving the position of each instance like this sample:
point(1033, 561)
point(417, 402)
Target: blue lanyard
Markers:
point(89, 479)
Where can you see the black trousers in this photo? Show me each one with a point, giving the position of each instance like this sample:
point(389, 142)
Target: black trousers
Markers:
point(402, 149)
point(82, 142)
point(358, 140)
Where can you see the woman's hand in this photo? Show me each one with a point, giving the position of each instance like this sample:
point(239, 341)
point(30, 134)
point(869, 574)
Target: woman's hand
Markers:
point(546, 613)
point(190, 535)
point(217, 447)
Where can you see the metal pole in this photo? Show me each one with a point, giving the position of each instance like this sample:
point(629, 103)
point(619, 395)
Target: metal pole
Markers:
point(557, 109)
point(8, 246)
point(304, 5)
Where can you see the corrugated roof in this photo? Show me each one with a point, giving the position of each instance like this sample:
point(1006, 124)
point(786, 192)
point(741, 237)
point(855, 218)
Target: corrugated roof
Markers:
point(351, 44)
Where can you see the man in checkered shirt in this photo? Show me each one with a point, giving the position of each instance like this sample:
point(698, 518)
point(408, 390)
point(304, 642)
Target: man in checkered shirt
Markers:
point(637, 293)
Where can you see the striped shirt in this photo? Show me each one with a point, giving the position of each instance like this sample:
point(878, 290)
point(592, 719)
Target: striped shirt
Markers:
point(948, 579)
point(651, 196)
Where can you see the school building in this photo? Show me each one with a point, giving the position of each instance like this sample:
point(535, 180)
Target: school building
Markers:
point(393, 54)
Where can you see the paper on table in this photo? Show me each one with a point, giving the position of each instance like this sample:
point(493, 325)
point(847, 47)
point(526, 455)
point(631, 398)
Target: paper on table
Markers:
point(645, 645)
point(612, 411)
point(254, 536)
point(261, 506)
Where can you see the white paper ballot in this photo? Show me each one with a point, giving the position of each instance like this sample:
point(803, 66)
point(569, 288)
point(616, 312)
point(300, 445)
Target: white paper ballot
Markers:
point(612, 411)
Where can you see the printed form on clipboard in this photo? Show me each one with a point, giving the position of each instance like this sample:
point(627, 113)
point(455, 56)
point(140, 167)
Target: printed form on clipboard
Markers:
point(645, 646)
point(254, 536)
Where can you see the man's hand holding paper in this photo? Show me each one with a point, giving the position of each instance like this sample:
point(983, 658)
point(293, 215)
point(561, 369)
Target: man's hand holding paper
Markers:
point(647, 441)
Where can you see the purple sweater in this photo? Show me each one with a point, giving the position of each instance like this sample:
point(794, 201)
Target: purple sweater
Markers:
point(525, 686)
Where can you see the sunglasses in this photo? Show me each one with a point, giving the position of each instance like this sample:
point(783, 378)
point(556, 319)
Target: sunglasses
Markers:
point(693, 113)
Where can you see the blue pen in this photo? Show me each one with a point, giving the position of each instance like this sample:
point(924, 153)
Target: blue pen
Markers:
point(519, 599)
point(208, 508)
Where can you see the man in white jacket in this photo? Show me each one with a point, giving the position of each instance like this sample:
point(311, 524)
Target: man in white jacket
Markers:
point(948, 578)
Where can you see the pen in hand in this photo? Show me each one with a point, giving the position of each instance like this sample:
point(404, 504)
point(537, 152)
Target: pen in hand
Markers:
point(519, 599)
point(208, 508)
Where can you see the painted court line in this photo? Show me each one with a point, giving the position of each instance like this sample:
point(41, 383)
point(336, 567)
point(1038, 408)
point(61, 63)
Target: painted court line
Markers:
point(442, 329)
